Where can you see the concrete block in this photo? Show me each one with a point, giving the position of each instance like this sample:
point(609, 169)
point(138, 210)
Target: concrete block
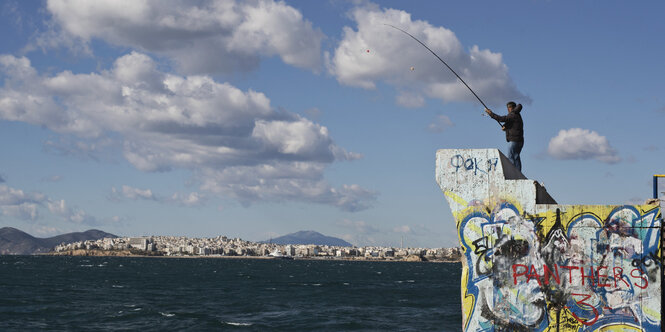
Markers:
point(530, 264)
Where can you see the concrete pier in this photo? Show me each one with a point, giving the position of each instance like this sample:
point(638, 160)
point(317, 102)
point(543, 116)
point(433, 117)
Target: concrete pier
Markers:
point(531, 264)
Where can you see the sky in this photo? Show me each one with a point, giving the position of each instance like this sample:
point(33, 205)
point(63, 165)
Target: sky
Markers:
point(255, 119)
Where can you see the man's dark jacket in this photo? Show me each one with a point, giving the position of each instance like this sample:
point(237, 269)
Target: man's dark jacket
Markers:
point(513, 124)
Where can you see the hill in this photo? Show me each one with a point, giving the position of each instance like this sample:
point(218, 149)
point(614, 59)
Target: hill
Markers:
point(17, 242)
point(310, 237)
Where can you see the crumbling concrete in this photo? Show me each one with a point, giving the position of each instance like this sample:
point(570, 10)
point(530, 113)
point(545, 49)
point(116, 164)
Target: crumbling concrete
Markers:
point(530, 264)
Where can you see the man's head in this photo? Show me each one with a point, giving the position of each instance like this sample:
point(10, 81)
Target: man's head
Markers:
point(511, 106)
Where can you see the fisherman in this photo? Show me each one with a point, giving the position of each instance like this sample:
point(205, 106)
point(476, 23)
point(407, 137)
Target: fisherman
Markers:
point(514, 128)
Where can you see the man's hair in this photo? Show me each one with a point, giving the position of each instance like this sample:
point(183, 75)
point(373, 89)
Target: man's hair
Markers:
point(511, 104)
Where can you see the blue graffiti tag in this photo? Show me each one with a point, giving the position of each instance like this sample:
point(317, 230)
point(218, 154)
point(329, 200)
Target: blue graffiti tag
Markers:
point(472, 164)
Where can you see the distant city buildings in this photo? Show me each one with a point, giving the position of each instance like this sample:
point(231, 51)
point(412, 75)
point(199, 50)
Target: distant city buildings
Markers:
point(223, 246)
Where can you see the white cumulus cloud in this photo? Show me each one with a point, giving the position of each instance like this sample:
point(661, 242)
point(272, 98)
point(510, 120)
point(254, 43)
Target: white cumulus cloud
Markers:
point(373, 52)
point(199, 36)
point(234, 140)
point(74, 215)
point(26, 206)
point(20, 204)
point(191, 199)
point(578, 143)
point(132, 193)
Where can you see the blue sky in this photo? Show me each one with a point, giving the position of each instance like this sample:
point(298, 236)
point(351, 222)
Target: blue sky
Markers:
point(255, 119)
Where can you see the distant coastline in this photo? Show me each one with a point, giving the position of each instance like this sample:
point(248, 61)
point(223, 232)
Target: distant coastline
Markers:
point(135, 253)
point(300, 245)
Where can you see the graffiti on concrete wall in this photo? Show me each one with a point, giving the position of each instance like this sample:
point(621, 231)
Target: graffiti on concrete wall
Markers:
point(574, 268)
point(473, 164)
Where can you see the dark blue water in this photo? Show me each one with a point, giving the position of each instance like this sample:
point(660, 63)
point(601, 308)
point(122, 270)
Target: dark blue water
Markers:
point(127, 293)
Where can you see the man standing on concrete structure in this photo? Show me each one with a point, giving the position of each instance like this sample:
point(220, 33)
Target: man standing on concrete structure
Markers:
point(514, 128)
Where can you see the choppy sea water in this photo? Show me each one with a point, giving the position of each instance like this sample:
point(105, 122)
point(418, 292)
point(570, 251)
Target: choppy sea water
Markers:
point(132, 293)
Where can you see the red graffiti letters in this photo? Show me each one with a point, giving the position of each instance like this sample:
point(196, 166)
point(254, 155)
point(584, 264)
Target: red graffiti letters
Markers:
point(593, 276)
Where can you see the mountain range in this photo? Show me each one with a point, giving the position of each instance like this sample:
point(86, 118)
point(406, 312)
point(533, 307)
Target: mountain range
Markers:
point(310, 237)
point(17, 242)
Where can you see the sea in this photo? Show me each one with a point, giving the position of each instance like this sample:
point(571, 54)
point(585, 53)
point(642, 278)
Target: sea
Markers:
point(65, 293)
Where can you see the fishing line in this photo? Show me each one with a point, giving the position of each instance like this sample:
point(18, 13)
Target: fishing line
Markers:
point(438, 57)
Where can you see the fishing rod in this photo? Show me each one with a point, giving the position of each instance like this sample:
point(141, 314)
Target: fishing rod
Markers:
point(438, 57)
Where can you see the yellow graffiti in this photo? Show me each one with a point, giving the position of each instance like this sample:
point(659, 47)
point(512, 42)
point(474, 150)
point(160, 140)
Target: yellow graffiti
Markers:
point(468, 300)
point(589, 219)
point(456, 198)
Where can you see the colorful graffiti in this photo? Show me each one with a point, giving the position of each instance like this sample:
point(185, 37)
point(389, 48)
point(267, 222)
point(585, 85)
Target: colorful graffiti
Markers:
point(568, 268)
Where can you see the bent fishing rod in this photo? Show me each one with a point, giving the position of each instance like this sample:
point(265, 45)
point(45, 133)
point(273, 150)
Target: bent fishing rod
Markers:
point(438, 57)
